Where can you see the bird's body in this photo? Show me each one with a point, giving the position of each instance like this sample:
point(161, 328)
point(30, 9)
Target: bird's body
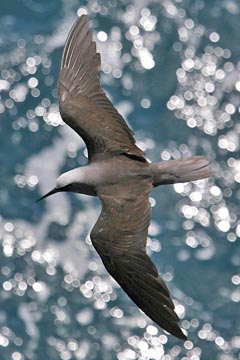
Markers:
point(107, 172)
point(120, 176)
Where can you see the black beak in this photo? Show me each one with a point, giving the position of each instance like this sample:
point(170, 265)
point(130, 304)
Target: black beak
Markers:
point(53, 191)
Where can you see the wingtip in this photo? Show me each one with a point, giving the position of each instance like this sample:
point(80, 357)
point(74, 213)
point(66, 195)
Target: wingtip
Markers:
point(82, 21)
point(83, 18)
point(172, 328)
point(180, 334)
point(176, 331)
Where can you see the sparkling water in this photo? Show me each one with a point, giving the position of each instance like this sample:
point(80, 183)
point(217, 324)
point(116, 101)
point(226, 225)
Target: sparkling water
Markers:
point(172, 69)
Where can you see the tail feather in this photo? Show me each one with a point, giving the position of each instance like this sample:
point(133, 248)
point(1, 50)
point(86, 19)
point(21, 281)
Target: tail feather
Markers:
point(179, 171)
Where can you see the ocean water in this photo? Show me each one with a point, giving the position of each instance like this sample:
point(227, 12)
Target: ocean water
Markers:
point(172, 69)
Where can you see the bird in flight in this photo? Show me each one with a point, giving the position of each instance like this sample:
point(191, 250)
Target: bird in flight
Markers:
point(119, 174)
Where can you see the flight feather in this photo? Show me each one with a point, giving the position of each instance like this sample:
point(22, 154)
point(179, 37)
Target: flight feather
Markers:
point(84, 105)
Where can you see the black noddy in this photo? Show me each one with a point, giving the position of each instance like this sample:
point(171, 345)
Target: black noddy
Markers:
point(119, 174)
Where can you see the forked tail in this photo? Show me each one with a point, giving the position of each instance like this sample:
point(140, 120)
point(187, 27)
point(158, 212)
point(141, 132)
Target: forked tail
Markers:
point(179, 171)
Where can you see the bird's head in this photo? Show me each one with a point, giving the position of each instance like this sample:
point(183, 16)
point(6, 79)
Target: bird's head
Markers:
point(64, 182)
point(72, 181)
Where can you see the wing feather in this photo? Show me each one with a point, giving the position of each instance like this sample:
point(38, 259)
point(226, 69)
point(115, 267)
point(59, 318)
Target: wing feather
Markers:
point(83, 104)
point(119, 237)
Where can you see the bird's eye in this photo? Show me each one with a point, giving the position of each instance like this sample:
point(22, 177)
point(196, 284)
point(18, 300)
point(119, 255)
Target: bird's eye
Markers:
point(68, 187)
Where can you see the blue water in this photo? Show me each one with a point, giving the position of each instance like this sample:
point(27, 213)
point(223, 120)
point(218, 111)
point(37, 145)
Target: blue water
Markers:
point(172, 68)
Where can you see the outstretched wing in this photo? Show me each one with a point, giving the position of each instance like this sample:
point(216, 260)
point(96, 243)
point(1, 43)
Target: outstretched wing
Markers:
point(83, 104)
point(119, 237)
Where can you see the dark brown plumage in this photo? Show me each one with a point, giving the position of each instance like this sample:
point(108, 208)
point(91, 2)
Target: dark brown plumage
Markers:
point(84, 105)
point(120, 176)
